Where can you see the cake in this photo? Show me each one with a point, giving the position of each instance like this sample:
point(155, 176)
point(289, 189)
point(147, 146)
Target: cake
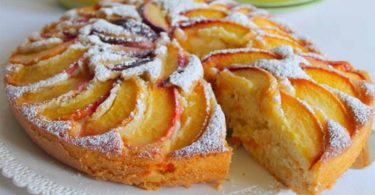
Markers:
point(144, 92)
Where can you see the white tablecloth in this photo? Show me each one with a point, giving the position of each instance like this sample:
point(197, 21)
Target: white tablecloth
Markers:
point(343, 29)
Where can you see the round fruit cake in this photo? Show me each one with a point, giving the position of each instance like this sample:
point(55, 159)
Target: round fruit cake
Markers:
point(132, 91)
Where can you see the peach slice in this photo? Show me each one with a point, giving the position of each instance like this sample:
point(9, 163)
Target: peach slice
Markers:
point(340, 65)
point(81, 105)
point(193, 119)
point(332, 79)
point(307, 131)
point(155, 16)
point(278, 32)
point(259, 78)
point(344, 67)
point(120, 111)
point(243, 9)
point(87, 12)
point(221, 5)
point(323, 102)
point(46, 68)
point(171, 61)
point(202, 37)
point(32, 58)
point(221, 60)
point(51, 92)
point(159, 120)
point(269, 42)
point(208, 13)
point(262, 22)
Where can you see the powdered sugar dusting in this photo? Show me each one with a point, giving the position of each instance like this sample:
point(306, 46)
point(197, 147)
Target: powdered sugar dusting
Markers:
point(186, 77)
point(109, 142)
point(211, 141)
point(40, 45)
point(153, 68)
point(106, 105)
point(104, 26)
point(242, 19)
point(125, 11)
point(15, 91)
point(338, 139)
point(230, 51)
point(369, 88)
point(288, 67)
point(175, 7)
point(360, 111)
point(55, 127)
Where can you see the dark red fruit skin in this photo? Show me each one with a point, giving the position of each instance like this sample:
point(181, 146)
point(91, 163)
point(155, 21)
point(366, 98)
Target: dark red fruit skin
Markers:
point(121, 67)
point(147, 21)
point(85, 111)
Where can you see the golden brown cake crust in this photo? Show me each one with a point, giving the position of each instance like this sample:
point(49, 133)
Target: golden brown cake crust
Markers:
point(174, 171)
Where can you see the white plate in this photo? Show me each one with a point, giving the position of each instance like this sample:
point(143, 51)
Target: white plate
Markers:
point(27, 165)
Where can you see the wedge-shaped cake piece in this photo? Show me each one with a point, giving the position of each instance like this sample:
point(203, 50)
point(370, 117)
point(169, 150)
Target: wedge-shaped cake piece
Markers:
point(294, 126)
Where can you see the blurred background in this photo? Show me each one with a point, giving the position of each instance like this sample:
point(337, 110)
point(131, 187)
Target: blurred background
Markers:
point(259, 3)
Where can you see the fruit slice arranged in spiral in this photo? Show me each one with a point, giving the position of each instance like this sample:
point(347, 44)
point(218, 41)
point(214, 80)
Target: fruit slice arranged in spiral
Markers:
point(202, 37)
point(323, 102)
point(159, 119)
point(174, 58)
point(196, 111)
point(303, 124)
point(342, 66)
point(220, 60)
point(80, 105)
point(271, 41)
point(47, 93)
point(243, 9)
point(336, 80)
point(207, 13)
point(46, 68)
point(34, 57)
point(119, 112)
point(264, 22)
point(129, 33)
point(155, 16)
